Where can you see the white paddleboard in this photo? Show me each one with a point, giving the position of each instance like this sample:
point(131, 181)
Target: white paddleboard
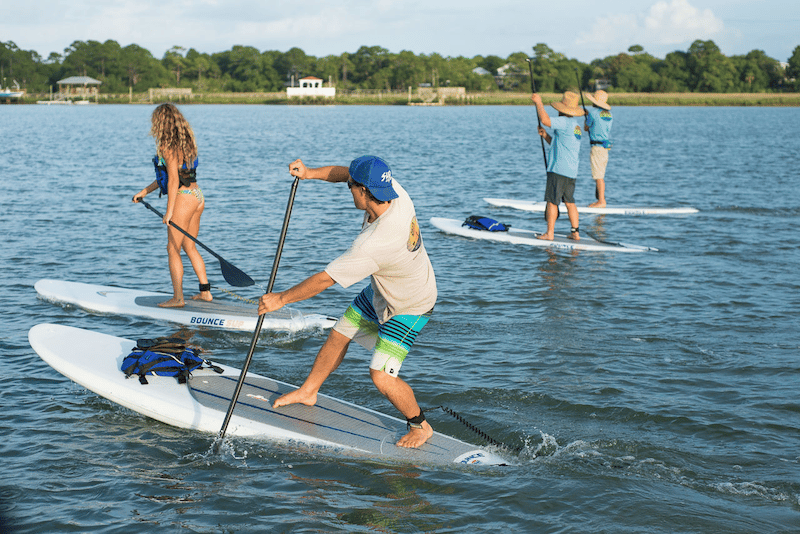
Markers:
point(528, 237)
point(214, 314)
point(528, 205)
point(93, 360)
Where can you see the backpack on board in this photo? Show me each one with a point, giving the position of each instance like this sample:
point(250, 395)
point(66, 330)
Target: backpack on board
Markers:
point(485, 223)
point(164, 357)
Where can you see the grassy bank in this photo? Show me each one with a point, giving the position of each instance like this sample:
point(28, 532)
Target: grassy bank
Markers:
point(400, 98)
point(651, 99)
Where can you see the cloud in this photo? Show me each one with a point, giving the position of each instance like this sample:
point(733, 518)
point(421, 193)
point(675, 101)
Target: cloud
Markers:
point(665, 23)
point(679, 22)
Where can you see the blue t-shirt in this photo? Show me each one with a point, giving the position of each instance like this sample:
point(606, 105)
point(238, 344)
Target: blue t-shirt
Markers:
point(565, 146)
point(599, 121)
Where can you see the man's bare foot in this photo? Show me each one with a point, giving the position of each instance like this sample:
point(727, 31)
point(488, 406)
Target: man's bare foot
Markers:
point(203, 295)
point(294, 397)
point(416, 437)
point(598, 204)
point(574, 236)
point(546, 237)
point(172, 303)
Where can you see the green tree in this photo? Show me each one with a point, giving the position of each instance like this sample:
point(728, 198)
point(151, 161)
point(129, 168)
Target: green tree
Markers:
point(294, 63)
point(367, 62)
point(637, 75)
point(545, 68)
point(793, 70)
point(709, 70)
point(758, 72)
point(25, 67)
point(672, 72)
point(140, 69)
point(490, 63)
point(409, 71)
point(202, 71)
point(246, 68)
point(174, 62)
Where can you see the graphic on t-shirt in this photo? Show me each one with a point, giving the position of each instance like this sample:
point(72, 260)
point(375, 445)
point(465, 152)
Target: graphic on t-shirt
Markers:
point(605, 115)
point(577, 132)
point(414, 239)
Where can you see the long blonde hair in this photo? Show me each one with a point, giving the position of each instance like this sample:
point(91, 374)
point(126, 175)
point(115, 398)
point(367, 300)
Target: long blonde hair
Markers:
point(172, 132)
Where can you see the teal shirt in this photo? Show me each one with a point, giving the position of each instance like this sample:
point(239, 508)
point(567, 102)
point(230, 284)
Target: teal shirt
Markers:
point(599, 121)
point(565, 146)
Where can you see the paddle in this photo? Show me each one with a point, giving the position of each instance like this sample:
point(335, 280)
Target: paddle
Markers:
point(240, 383)
point(232, 275)
point(538, 120)
point(578, 77)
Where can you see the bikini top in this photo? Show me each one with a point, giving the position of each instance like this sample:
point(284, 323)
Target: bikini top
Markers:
point(187, 175)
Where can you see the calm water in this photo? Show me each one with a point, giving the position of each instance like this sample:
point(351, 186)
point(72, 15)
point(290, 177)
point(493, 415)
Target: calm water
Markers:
point(660, 390)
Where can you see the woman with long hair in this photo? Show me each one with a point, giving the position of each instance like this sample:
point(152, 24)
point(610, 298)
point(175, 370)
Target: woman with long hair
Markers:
point(175, 163)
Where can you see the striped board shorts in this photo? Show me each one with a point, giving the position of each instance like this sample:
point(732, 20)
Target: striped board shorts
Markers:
point(390, 341)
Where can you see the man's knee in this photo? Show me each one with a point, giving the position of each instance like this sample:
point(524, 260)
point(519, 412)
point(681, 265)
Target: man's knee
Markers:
point(382, 380)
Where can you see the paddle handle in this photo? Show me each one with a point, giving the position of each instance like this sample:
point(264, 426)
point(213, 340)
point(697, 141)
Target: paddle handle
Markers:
point(538, 120)
point(259, 323)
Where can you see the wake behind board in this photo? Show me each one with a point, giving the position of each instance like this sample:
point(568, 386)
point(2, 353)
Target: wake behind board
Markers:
point(539, 207)
point(528, 237)
point(214, 314)
point(93, 360)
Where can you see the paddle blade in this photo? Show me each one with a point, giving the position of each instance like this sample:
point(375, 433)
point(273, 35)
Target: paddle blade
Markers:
point(234, 276)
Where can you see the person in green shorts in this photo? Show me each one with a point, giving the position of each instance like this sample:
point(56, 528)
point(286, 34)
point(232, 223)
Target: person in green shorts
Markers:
point(389, 313)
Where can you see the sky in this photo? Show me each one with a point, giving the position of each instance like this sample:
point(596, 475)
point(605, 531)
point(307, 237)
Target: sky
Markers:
point(580, 29)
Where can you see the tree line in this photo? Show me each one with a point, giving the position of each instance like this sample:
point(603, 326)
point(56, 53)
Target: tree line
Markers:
point(702, 68)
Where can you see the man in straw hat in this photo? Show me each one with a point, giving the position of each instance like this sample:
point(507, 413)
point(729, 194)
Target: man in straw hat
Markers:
point(390, 312)
point(598, 124)
point(562, 168)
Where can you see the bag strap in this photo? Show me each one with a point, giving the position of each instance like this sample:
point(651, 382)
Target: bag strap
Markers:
point(172, 345)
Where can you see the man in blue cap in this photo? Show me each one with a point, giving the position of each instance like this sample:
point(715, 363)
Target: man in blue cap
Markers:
point(389, 313)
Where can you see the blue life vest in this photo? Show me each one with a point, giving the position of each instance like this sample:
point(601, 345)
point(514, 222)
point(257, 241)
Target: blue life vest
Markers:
point(186, 174)
point(477, 222)
point(163, 357)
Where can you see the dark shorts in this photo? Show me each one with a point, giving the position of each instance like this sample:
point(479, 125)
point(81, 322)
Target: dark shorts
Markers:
point(559, 189)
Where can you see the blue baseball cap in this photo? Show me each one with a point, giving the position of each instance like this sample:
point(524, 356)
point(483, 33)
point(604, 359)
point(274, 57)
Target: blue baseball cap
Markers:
point(374, 174)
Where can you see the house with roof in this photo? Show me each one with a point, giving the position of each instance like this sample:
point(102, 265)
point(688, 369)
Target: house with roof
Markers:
point(311, 86)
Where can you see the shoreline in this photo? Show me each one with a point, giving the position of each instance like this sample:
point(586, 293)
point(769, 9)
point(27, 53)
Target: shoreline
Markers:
point(400, 98)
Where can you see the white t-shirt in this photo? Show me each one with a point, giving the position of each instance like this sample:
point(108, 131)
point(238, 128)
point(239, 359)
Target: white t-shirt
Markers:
point(390, 250)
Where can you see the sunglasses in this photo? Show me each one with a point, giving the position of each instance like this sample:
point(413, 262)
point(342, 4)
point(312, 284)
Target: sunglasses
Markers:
point(352, 183)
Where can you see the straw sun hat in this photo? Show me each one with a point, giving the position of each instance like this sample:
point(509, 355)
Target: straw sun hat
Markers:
point(599, 99)
point(569, 105)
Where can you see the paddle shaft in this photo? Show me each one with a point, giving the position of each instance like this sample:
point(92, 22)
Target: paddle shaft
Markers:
point(538, 120)
point(181, 230)
point(233, 275)
point(578, 77)
point(254, 341)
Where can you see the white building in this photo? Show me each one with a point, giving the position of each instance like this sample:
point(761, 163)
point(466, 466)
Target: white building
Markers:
point(311, 86)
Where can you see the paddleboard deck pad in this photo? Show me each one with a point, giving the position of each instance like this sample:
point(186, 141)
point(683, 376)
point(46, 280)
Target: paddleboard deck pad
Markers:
point(539, 207)
point(529, 237)
point(199, 313)
point(93, 360)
